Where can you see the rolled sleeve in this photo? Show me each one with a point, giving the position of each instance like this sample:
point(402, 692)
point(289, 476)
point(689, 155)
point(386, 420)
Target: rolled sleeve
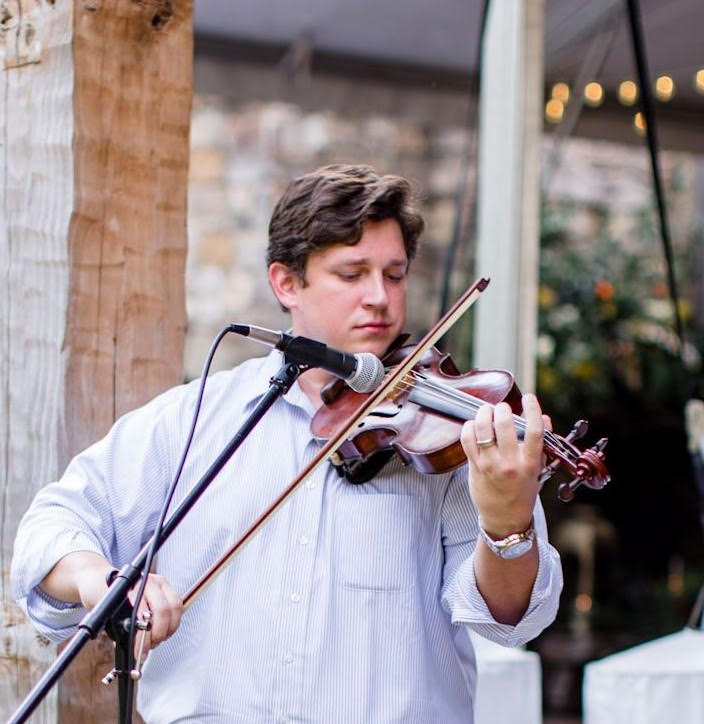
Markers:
point(54, 619)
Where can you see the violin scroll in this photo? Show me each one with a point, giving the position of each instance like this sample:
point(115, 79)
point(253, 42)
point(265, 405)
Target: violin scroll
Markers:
point(586, 466)
point(590, 471)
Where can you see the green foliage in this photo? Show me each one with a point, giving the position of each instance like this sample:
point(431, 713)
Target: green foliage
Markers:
point(606, 320)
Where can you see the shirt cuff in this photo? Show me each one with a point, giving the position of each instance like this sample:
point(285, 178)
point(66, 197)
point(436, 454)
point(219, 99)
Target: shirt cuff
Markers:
point(57, 620)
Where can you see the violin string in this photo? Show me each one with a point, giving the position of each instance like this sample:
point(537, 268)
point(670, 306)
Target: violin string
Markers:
point(476, 402)
point(552, 442)
point(471, 404)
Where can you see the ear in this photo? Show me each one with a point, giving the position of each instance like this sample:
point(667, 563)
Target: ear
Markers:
point(284, 283)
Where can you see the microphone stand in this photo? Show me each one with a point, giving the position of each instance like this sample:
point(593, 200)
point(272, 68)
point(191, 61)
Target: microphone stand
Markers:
point(113, 607)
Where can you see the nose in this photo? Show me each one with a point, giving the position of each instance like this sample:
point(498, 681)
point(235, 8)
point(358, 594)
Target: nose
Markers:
point(375, 292)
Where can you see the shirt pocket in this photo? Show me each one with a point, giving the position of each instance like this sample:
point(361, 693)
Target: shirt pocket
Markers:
point(376, 542)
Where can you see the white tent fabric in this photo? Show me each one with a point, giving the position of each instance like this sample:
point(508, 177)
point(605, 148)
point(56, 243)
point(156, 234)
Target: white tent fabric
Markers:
point(508, 684)
point(659, 681)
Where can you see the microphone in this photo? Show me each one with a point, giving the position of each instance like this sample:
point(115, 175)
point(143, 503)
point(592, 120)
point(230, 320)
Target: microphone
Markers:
point(363, 372)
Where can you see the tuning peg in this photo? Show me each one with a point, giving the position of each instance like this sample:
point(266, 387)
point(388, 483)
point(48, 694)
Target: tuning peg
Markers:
point(578, 431)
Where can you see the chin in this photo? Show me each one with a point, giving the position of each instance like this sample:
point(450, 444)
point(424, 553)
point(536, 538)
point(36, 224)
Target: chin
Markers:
point(375, 343)
point(378, 347)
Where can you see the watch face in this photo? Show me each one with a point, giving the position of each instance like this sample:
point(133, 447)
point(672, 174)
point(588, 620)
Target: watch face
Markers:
point(517, 549)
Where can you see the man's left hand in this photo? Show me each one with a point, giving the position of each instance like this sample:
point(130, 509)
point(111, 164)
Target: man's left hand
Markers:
point(503, 480)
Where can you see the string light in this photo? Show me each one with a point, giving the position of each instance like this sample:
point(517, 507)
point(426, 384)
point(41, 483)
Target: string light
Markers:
point(554, 110)
point(593, 94)
point(664, 88)
point(561, 92)
point(639, 123)
point(628, 92)
point(699, 80)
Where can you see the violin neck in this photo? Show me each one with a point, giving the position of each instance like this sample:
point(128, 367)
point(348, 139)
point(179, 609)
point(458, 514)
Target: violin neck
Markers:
point(461, 407)
point(444, 406)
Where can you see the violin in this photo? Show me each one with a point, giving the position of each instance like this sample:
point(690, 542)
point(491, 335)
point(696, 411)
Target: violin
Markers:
point(421, 419)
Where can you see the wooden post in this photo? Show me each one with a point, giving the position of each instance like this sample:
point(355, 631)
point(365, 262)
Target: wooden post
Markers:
point(95, 103)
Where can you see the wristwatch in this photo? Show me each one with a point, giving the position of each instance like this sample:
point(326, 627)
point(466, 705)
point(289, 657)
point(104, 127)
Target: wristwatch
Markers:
point(512, 546)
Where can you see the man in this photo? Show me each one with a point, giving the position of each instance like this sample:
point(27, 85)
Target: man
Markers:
point(351, 604)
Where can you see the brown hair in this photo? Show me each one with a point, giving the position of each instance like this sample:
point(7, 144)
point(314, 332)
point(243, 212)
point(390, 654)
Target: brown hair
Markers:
point(330, 206)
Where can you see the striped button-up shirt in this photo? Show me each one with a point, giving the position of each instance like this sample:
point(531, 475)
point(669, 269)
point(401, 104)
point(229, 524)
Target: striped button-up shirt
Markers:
point(349, 606)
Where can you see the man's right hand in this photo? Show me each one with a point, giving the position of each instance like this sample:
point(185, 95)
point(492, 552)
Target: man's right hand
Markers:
point(81, 578)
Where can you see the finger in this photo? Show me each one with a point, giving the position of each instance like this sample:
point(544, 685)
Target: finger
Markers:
point(484, 426)
point(505, 427)
point(161, 613)
point(175, 603)
point(534, 431)
point(468, 438)
point(547, 423)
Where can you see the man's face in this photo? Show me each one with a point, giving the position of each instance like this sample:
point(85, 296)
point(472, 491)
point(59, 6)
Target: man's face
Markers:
point(354, 297)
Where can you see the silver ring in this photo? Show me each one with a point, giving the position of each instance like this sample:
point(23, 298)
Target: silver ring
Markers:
point(481, 444)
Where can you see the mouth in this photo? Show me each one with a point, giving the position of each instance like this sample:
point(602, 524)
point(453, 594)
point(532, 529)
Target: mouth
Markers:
point(374, 327)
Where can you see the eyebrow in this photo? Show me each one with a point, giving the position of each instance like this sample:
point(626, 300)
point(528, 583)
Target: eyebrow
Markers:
point(362, 261)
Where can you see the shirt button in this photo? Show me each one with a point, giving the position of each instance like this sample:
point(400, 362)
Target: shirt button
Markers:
point(283, 719)
point(295, 597)
point(303, 540)
point(310, 484)
point(287, 658)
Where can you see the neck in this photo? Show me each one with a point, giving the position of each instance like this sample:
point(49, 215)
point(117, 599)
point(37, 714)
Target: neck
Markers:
point(311, 382)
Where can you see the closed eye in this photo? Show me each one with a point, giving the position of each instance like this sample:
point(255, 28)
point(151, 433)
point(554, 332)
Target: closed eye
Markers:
point(396, 273)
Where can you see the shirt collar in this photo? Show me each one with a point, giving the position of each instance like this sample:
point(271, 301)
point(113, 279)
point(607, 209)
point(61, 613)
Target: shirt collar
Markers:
point(270, 366)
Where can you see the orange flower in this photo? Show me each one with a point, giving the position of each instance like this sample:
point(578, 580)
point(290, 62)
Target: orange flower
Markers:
point(660, 290)
point(604, 290)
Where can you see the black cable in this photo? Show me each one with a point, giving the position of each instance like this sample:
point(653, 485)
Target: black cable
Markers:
point(634, 17)
point(459, 225)
point(160, 523)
